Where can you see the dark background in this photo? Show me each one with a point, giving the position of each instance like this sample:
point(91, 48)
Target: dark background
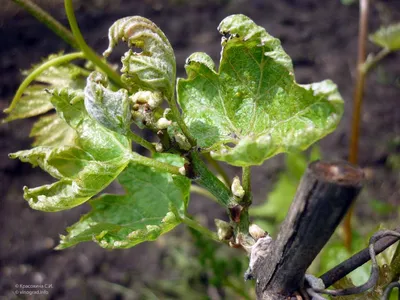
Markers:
point(321, 38)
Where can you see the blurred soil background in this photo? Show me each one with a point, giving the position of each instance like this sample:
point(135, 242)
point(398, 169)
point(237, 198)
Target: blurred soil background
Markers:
point(321, 38)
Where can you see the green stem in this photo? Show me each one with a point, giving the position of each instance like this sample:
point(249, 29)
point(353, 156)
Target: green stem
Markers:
point(177, 115)
point(246, 184)
point(203, 230)
point(37, 71)
point(142, 142)
point(204, 177)
point(203, 192)
point(370, 63)
point(158, 165)
point(223, 194)
point(218, 168)
point(49, 21)
point(89, 53)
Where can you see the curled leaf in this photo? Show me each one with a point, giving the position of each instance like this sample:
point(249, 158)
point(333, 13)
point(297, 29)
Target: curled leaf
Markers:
point(252, 108)
point(110, 109)
point(153, 68)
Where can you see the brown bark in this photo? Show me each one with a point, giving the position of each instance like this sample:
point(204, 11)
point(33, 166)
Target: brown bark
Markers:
point(323, 197)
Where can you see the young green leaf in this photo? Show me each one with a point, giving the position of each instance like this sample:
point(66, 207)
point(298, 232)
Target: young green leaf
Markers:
point(252, 108)
point(142, 214)
point(48, 130)
point(35, 101)
point(83, 170)
point(51, 130)
point(387, 37)
point(154, 68)
point(110, 109)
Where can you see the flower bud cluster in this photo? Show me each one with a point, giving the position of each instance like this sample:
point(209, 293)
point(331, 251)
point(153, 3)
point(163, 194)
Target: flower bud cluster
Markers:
point(146, 111)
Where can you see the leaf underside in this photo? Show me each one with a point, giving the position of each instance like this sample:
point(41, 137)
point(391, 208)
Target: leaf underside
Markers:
point(146, 211)
point(84, 169)
point(252, 108)
point(154, 67)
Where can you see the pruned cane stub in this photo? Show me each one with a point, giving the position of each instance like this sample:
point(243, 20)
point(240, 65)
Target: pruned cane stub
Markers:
point(323, 197)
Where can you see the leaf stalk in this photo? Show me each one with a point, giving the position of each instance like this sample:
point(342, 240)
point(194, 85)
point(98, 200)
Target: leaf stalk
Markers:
point(158, 165)
point(202, 192)
point(218, 168)
point(142, 142)
point(371, 62)
point(198, 227)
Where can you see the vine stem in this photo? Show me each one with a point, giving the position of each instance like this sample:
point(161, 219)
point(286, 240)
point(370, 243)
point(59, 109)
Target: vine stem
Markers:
point(218, 168)
point(246, 184)
point(49, 21)
point(203, 230)
point(158, 165)
point(357, 104)
point(37, 71)
point(89, 53)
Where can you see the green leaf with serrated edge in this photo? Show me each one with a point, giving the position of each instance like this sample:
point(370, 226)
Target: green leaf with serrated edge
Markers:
point(142, 214)
point(252, 108)
point(154, 68)
point(110, 109)
point(35, 100)
point(51, 130)
point(387, 37)
point(83, 170)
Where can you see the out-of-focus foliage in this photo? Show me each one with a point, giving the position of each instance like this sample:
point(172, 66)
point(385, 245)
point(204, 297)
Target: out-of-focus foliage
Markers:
point(201, 268)
point(273, 211)
point(387, 37)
